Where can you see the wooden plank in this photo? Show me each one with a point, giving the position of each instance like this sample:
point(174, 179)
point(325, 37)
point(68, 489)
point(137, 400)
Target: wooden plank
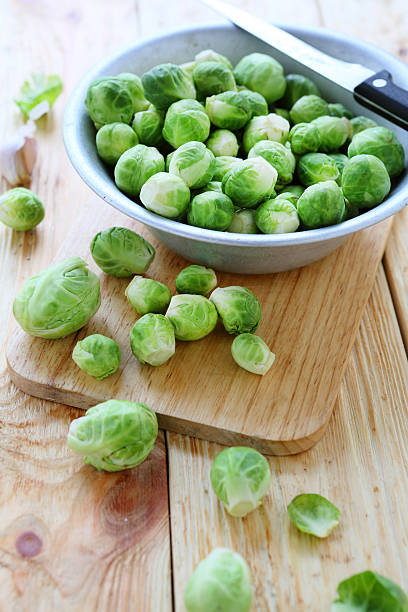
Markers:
point(360, 465)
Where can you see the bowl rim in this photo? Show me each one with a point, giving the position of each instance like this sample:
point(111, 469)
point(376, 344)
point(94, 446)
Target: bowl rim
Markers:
point(107, 190)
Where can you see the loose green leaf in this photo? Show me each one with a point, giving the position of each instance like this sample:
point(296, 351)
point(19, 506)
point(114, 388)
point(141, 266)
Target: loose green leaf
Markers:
point(42, 88)
point(369, 592)
point(314, 514)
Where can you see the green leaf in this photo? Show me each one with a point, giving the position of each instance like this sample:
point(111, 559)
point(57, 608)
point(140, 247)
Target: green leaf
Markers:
point(314, 514)
point(43, 88)
point(370, 592)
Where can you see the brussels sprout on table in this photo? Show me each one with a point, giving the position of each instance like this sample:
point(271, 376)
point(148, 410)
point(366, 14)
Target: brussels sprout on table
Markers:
point(223, 164)
point(382, 143)
point(304, 138)
point(252, 353)
point(120, 252)
point(108, 100)
point(21, 209)
point(113, 139)
point(97, 355)
point(192, 316)
point(210, 210)
point(297, 86)
point(333, 132)
point(135, 87)
point(211, 78)
point(148, 125)
point(265, 127)
point(152, 339)
point(321, 205)
point(314, 514)
point(186, 120)
point(243, 222)
point(230, 110)
point(193, 163)
point(370, 592)
point(115, 435)
point(223, 143)
point(262, 73)
point(307, 108)
point(42, 89)
point(339, 110)
point(279, 156)
point(316, 167)
point(238, 307)
point(135, 166)
point(277, 216)
point(148, 295)
point(250, 182)
point(59, 300)
point(167, 83)
point(196, 280)
point(365, 181)
point(361, 123)
point(165, 194)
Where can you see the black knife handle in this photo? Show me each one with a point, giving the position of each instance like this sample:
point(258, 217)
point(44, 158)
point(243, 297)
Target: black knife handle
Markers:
point(384, 97)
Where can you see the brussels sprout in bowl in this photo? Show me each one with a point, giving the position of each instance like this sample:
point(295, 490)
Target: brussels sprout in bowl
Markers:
point(227, 250)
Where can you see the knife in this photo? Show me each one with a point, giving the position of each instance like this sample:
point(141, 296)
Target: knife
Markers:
point(375, 90)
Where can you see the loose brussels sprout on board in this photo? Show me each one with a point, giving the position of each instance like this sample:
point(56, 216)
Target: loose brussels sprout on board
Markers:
point(211, 210)
point(115, 435)
point(120, 252)
point(21, 209)
point(262, 73)
point(370, 592)
point(165, 194)
point(152, 339)
point(148, 295)
point(196, 280)
point(314, 514)
point(113, 139)
point(252, 353)
point(135, 166)
point(167, 83)
point(97, 355)
point(238, 307)
point(192, 316)
point(186, 120)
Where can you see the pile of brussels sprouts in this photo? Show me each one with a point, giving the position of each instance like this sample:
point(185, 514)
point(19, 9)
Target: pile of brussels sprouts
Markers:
point(243, 150)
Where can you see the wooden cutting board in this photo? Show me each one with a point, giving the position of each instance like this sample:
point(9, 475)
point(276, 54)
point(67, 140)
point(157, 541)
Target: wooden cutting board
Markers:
point(310, 317)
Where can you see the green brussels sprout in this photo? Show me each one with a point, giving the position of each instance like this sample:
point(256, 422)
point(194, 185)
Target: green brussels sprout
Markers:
point(382, 143)
point(250, 182)
point(370, 592)
point(44, 88)
point(152, 339)
point(289, 196)
point(120, 252)
point(211, 186)
point(223, 143)
point(193, 163)
point(341, 162)
point(97, 355)
point(148, 295)
point(277, 216)
point(113, 139)
point(115, 435)
point(208, 55)
point(297, 86)
point(108, 100)
point(243, 222)
point(265, 127)
point(135, 166)
point(314, 514)
point(223, 164)
point(220, 583)
point(196, 280)
point(210, 210)
point(339, 110)
point(167, 83)
point(211, 78)
point(257, 103)
point(333, 132)
point(297, 190)
point(21, 209)
point(192, 316)
point(186, 120)
point(350, 211)
point(230, 110)
point(365, 181)
point(316, 167)
point(261, 73)
point(165, 194)
point(168, 160)
point(135, 87)
point(59, 300)
point(148, 125)
point(304, 138)
point(283, 112)
point(360, 123)
point(251, 353)
point(321, 205)
point(240, 476)
point(279, 156)
point(238, 307)
point(308, 108)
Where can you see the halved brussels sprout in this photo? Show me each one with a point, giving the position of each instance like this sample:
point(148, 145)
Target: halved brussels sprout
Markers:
point(148, 295)
point(360, 123)
point(167, 83)
point(120, 252)
point(261, 73)
point(165, 194)
point(59, 300)
point(304, 138)
point(97, 355)
point(265, 127)
point(250, 182)
point(135, 166)
point(382, 143)
point(113, 139)
point(223, 143)
point(365, 181)
point(333, 132)
point(339, 110)
point(314, 514)
point(252, 353)
point(210, 210)
point(308, 108)
point(230, 110)
point(193, 163)
point(238, 307)
point(257, 103)
point(297, 86)
point(279, 156)
point(135, 87)
point(186, 120)
point(223, 164)
point(21, 209)
point(196, 280)
point(211, 78)
point(148, 125)
point(243, 222)
point(316, 167)
point(192, 316)
point(208, 55)
point(108, 100)
point(321, 205)
point(152, 339)
point(369, 591)
point(277, 216)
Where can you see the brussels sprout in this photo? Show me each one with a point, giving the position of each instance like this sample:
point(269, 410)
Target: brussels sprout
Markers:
point(212, 186)
point(279, 156)
point(370, 592)
point(308, 108)
point(382, 143)
point(135, 87)
point(321, 205)
point(261, 73)
point(196, 280)
point(168, 160)
point(186, 120)
point(152, 339)
point(297, 86)
point(192, 316)
point(257, 103)
point(238, 307)
point(339, 110)
point(365, 181)
point(135, 166)
point(165, 194)
point(243, 222)
point(148, 125)
point(120, 252)
point(115, 435)
point(251, 353)
point(210, 210)
point(277, 216)
point(211, 78)
point(282, 112)
point(188, 67)
point(108, 100)
point(59, 300)
point(360, 123)
point(304, 138)
point(21, 209)
point(350, 211)
point(193, 163)
point(268, 127)
point(316, 167)
point(297, 190)
point(223, 164)
point(250, 182)
point(333, 132)
point(113, 139)
point(44, 88)
point(97, 355)
point(220, 583)
point(167, 83)
point(223, 143)
point(341, 162)
point(208, 55)
point(148, 295)
point(230, 110)
point(313, 514)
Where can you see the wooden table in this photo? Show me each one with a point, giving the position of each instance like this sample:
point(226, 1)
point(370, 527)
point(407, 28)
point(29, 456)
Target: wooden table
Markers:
point(72, 539)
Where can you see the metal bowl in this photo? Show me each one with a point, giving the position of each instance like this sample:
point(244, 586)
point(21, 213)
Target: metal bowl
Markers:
point(243, 253)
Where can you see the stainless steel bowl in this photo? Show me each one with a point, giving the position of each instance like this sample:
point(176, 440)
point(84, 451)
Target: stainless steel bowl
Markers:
point(222, 250)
